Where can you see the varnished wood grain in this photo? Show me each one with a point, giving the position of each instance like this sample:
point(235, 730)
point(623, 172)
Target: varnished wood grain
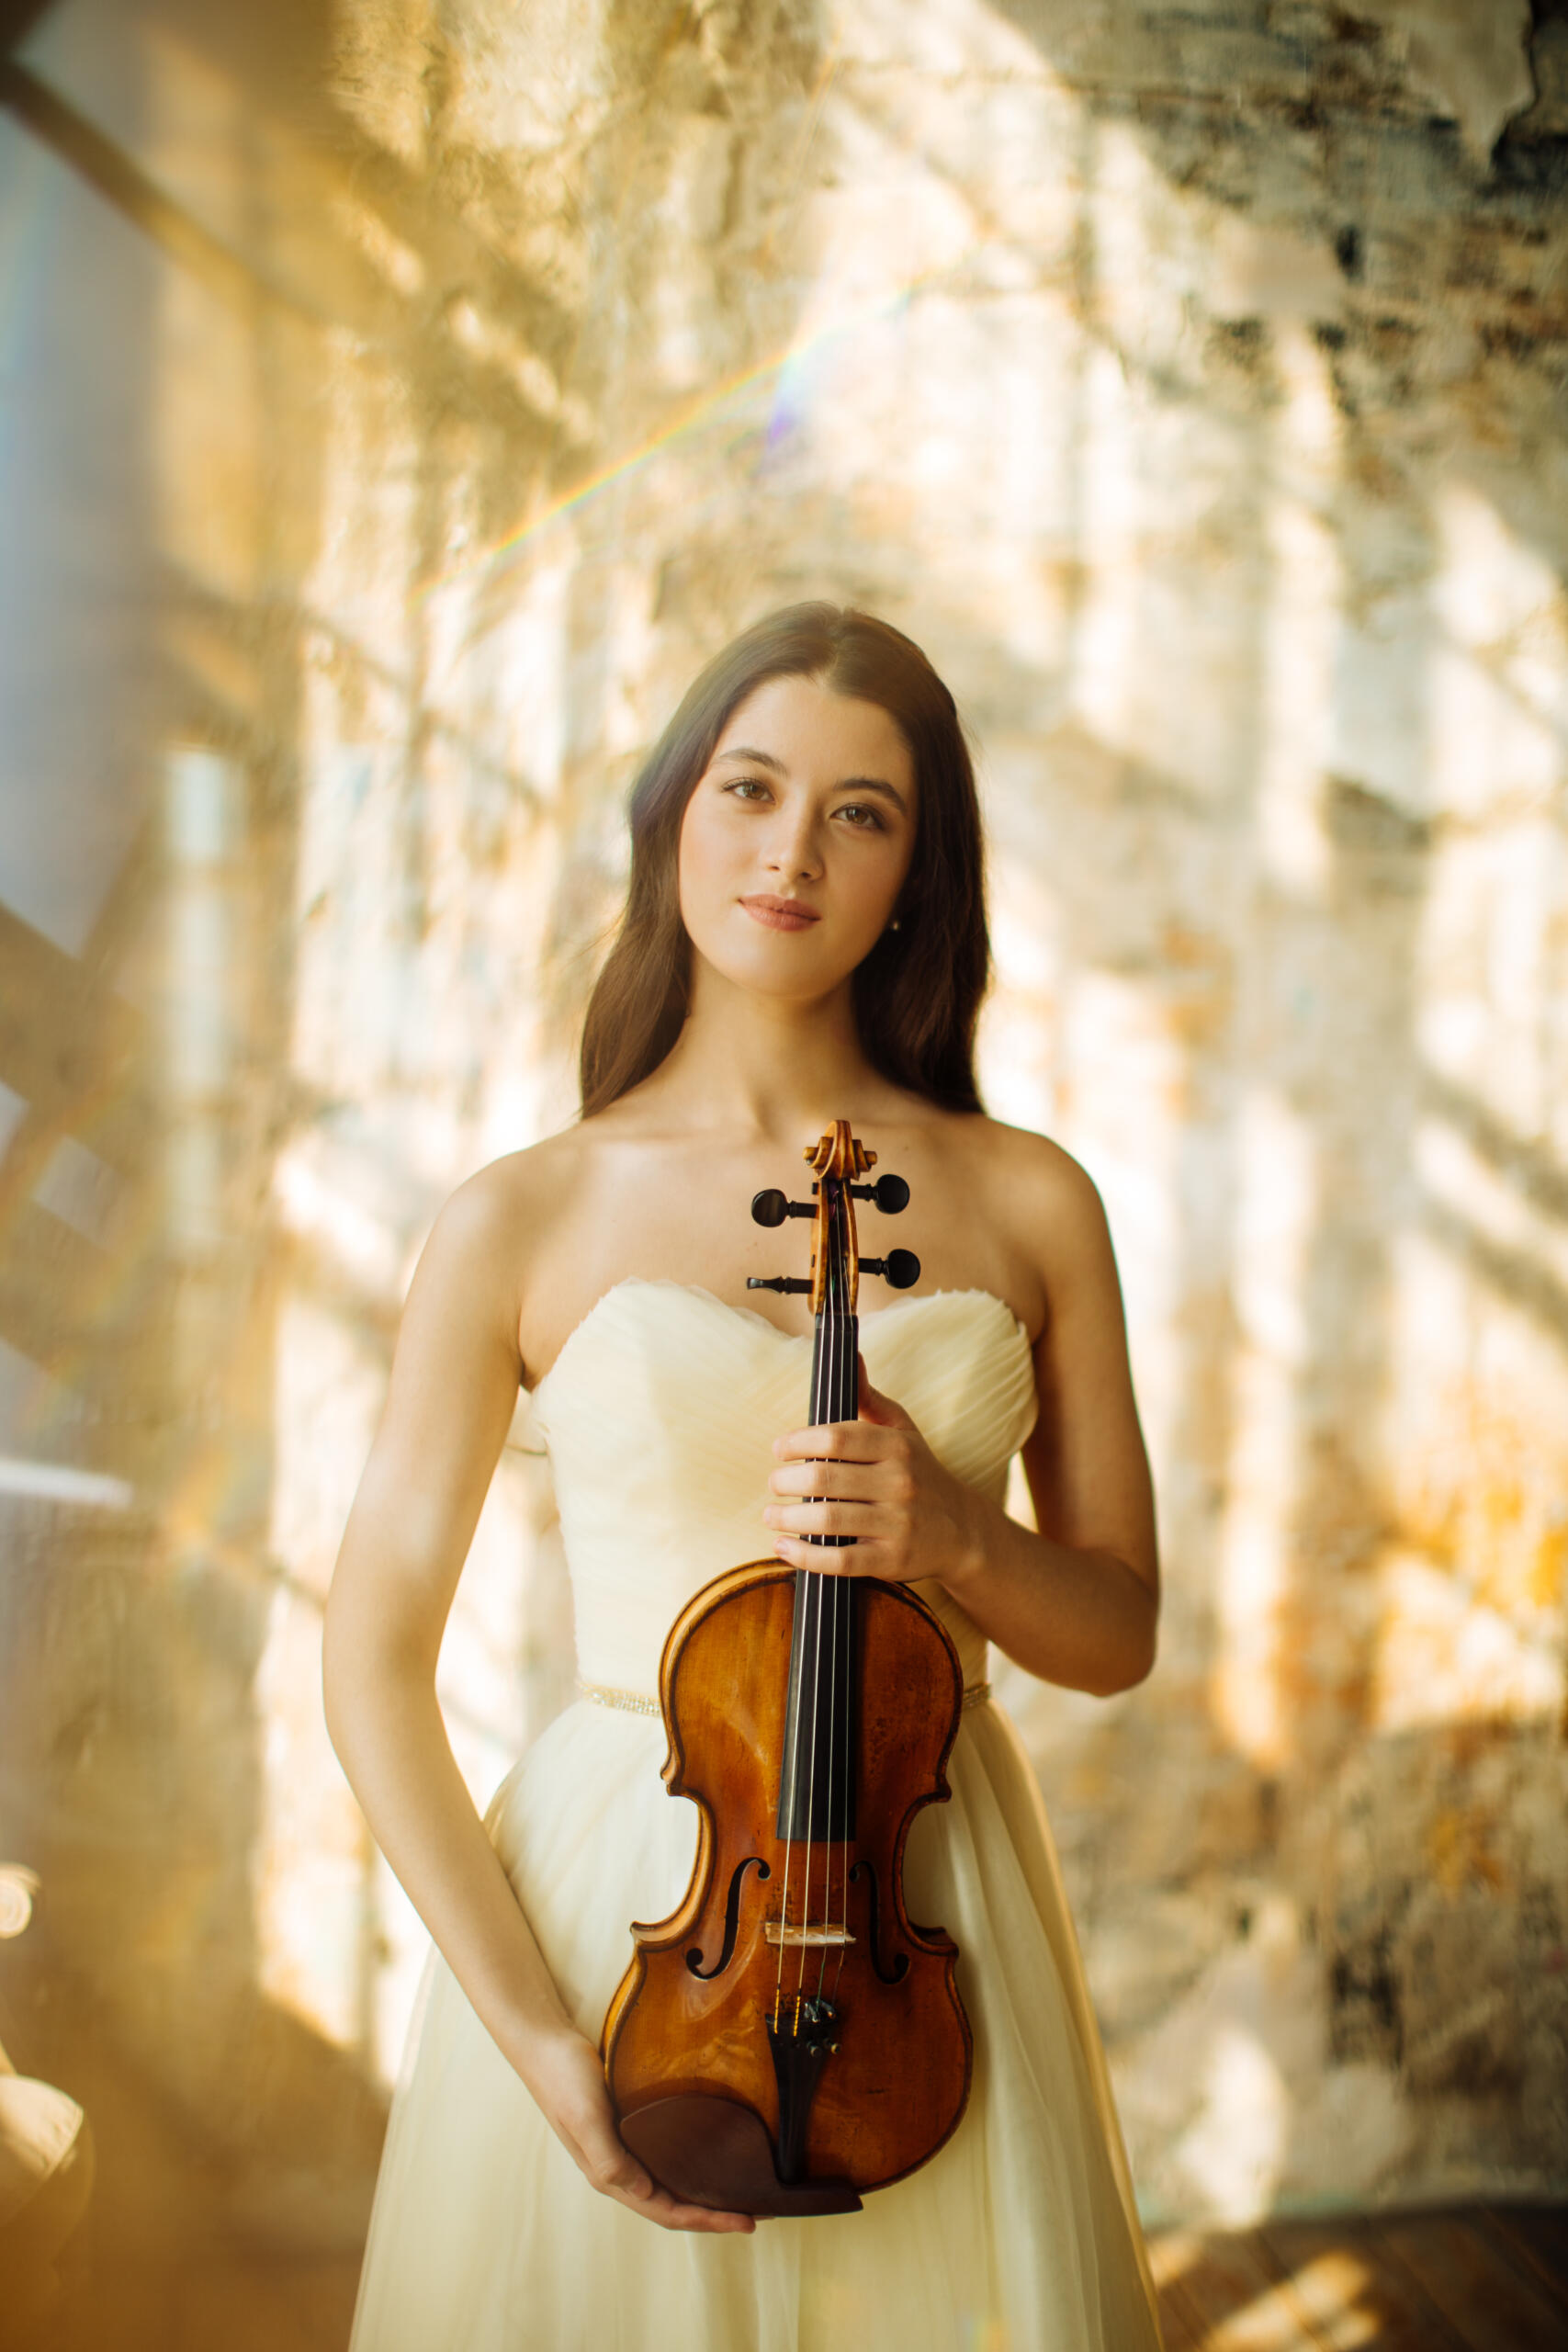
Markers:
point(878, 2111)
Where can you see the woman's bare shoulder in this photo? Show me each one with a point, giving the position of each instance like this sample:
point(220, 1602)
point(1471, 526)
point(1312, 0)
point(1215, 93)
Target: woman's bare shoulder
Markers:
point(489, 1224)
point(1021, 1160)
point(510, 1207)
point(1035, 1192)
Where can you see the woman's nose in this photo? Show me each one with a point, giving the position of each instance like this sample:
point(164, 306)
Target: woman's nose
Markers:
point(792, 851)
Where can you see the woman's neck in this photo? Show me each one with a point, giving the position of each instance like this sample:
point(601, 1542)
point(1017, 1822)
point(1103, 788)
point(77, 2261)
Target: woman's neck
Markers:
point(771, 1066)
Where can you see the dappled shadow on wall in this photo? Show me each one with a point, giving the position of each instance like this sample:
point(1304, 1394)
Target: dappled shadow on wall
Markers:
point(469, 409)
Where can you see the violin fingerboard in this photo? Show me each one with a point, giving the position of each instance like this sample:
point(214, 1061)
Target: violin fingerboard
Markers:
point(820, 1748)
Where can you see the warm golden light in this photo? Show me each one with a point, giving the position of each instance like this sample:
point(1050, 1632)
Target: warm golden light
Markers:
point(418, 398)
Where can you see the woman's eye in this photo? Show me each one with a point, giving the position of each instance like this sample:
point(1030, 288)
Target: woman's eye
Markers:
point(860, 815)
point(748, 787)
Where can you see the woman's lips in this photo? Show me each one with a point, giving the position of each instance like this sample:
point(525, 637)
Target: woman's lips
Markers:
point(780, 914)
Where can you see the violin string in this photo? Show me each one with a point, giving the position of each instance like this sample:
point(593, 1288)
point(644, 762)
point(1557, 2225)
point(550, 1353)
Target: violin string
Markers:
point(792, 1781)
point(838, 1763)
point(813, 1592)
point(851, 1413)
point(844, 1859)
point(791, 1778)
point(817, 1718)
point(836, 1591)
point(835, 1412)
point(844, 1605)
point(823, 1406)
point(843, 1601)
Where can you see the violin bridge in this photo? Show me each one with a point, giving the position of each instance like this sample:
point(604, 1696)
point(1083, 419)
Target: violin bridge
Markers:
point(807, 1938)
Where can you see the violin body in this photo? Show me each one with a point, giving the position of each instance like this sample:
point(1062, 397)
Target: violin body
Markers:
point(897, 2080)
point(789, 2039)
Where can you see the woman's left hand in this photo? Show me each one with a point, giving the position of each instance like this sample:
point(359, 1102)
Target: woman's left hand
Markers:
point(877, 1480)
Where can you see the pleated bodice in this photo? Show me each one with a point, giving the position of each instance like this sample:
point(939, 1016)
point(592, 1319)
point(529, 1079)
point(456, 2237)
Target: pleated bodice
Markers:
point(659, 1415)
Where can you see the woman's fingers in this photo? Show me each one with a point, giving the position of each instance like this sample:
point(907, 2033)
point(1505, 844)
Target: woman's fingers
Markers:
point(671, 2214)
point(857, 1559)
point(603, 2154)
point(569, 2084)
point(616, 2172)
point(840, 1481)
point(834, 1441)
point(586, 2125)
point(877, 1413)
point(859, 1479)
point(818, 1519)
point(862, 1500)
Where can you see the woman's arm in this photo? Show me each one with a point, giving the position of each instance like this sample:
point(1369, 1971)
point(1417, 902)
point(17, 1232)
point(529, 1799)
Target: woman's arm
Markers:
point(453, 1386)
point(1076, 1603)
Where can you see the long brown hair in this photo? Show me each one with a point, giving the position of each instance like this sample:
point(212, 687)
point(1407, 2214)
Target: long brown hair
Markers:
point(916, 995)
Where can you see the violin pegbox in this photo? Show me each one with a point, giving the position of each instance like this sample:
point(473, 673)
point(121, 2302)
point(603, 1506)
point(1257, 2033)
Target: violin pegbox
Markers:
point(838, 1160)
point(839, 1153)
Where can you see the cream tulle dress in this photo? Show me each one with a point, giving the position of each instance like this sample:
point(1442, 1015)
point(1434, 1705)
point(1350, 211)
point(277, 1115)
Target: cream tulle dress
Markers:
point(1020, 2235)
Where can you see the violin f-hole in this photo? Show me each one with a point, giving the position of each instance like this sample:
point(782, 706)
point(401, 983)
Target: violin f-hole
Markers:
point(732, 1920)
point(866, 1868)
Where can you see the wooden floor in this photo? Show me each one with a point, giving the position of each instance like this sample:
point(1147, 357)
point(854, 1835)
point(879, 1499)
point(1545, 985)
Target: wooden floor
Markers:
point(1489, 2278)
point(156, 2271)
point(1486, 2280)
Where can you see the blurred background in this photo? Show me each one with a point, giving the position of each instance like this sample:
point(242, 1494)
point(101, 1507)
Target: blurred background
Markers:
point(401, 400)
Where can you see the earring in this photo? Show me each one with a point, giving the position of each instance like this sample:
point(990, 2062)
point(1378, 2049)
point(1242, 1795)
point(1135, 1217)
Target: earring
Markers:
point(894, 924)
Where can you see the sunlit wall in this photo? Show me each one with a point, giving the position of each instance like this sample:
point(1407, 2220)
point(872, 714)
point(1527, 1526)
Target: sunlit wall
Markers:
point(421, 396)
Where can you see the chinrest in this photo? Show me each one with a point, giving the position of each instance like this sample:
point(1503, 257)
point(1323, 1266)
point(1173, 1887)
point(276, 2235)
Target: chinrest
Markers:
point(715, 2152)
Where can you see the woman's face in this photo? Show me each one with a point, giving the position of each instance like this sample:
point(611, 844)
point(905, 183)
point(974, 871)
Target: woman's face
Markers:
point(796, 839)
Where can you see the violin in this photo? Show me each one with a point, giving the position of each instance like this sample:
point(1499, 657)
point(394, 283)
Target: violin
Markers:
point(788, 2040)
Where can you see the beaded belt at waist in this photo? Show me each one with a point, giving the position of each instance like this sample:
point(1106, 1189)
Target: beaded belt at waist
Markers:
point(643, 1703)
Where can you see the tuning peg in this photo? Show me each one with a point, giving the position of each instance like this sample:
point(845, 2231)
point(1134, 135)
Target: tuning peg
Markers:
point(797, 1282)
point(890, 1193)
point(900, 1268)
point(772, 1208)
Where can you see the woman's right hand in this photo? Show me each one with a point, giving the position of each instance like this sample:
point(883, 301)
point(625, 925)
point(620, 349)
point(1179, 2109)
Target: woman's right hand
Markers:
point(567, 2080)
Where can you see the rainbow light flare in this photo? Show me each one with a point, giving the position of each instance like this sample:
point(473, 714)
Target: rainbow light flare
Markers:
point(779, 368)
point(710, 404)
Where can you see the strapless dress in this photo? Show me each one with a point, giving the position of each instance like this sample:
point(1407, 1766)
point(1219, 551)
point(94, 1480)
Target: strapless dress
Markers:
point(1021, 2234)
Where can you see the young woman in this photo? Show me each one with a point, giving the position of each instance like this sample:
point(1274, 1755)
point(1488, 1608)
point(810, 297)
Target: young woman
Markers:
point(804, 941)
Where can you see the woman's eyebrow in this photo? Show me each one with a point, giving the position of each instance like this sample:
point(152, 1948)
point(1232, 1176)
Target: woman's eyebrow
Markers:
point(872, 783)
point(845, 783)
point(762, 759)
